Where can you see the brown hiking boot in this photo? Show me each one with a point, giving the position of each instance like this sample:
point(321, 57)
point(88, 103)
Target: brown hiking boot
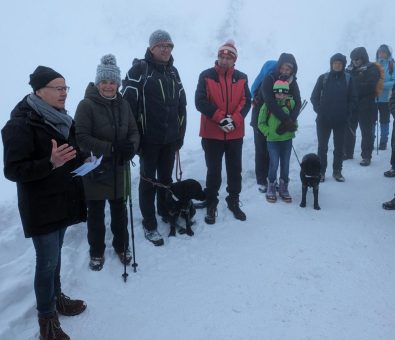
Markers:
point(69, 307)
point(50, 328)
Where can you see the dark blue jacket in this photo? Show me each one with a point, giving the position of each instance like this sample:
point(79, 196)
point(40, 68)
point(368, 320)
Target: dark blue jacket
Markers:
point(333, 99)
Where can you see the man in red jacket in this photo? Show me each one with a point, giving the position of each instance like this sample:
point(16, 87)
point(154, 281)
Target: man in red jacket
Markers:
point(223, 98)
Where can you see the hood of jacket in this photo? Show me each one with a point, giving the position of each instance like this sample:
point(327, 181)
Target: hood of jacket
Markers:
point(360, 53)
point(338, 57)
point(287, 58)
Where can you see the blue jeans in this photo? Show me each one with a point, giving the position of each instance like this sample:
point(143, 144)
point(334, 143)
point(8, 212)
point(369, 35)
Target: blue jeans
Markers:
point(47, 278)
point(279, 153)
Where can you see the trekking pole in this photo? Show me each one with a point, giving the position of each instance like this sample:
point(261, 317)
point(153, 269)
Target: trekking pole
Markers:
point(303, 105)
point(377, 136)
point(129, 188)
point(125, 197)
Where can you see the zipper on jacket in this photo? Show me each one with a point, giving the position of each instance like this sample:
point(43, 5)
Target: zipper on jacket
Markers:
point(161, 88)
point(227, 100)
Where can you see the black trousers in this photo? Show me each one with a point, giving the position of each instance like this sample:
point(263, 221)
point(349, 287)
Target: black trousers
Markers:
point(393, 145)
point(156, 163)
point(97, 228)
point(261, 157)
point(323, 135)
point(214, 150)
point(366, 120)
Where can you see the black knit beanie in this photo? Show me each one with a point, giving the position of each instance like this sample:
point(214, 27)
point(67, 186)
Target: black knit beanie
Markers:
point(41, 76)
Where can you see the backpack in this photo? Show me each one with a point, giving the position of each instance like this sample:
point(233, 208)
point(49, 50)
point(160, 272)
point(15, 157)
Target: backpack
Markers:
point(267, 68)
point(380, 83)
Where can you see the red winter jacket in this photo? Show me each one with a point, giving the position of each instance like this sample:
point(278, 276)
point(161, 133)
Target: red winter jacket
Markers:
point(219, 93)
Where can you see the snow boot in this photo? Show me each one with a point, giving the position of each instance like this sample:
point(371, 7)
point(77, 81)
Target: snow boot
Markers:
point(50, 328)
point(234, 207)
point(271, 194)
point(322, 177)
point(283, 191)
point(365, 162)
point(390, 205)
point(337, 175)
point(125, 257)
point(154, 237)
point(69, 307)
point(390, 173)
point(96, 263)
point(211, 213)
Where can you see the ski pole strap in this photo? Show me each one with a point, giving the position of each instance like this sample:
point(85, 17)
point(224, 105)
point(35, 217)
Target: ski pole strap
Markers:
point(297, 158)
point(178, 166)
point(155, 183)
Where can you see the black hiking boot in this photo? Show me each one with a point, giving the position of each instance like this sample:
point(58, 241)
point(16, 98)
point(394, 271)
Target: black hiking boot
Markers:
point(390, 173)
point(126, 257)
point(154, 237)
point(337, 175)
point(211, 214)
point(390, 205)
point(234, 207)
point(96, 263)
point(365, 162)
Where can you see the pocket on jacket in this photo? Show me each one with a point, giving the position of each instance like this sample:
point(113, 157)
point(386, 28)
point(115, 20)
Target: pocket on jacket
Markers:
point(103, 173)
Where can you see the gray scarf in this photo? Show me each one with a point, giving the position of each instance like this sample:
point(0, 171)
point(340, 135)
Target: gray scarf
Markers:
point(59, 120)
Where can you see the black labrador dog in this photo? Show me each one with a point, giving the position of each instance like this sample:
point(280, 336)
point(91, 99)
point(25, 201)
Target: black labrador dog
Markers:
point(310, 175)
point(179, 204)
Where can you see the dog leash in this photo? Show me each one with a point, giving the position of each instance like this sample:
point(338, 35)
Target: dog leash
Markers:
point(178, 167)
point(159, 185)
point(296, 155)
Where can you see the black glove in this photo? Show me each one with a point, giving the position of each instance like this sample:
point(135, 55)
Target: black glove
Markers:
point(124, 150)
point(287, 125)
point(179, 143)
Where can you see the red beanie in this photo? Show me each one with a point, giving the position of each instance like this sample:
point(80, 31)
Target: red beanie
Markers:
point(228, 48)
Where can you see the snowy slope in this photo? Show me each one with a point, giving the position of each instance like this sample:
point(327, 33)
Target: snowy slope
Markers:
point(285, 273)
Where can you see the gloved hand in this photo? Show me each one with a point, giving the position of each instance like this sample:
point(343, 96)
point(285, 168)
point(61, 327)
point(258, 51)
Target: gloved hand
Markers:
point(124, 150)
point(287, 125)
point(227, 124)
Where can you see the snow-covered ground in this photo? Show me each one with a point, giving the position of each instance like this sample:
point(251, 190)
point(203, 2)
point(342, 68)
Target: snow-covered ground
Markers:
point(286, 273)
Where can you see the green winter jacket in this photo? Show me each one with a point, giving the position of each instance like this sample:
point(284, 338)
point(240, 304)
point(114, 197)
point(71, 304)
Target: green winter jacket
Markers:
point(268, 123)
point(99, 122)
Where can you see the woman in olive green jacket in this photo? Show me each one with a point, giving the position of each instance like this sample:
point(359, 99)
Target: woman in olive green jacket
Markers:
point(106, 126)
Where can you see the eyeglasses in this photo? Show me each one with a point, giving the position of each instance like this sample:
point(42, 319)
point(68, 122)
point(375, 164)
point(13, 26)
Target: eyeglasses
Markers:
point(165, 46)
point(59, 88)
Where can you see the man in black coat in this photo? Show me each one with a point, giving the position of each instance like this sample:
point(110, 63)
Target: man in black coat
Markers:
point(366, 76)
point(334, 98)
point(39, 154)
point(155, 93)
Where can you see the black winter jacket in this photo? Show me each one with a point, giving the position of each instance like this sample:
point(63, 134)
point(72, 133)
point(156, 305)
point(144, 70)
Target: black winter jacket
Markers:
point(48, 199)
point(159, 106)
point(334, 101)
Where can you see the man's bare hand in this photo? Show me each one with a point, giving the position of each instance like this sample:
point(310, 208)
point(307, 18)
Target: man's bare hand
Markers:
point(62, 154)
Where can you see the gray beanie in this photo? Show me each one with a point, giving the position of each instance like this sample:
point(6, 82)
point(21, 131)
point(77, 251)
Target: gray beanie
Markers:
point(159, 36)
point(108, 70)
